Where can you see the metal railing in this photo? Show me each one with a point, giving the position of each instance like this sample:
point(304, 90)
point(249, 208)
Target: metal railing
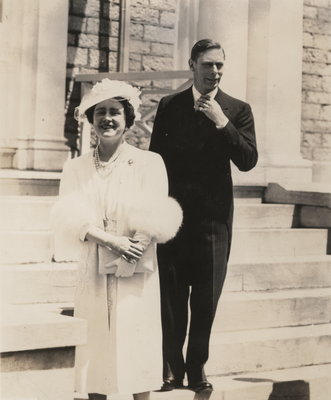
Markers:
point(87, 81)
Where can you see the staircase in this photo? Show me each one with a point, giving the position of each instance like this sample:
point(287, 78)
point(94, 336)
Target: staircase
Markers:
point(38, 338)
point(272, 332)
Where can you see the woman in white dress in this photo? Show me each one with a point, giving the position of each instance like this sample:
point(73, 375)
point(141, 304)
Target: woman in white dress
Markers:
point(113, 208)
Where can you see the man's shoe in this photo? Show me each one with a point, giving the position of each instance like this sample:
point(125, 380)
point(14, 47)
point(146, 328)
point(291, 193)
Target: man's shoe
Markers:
point(171, 384)
point(202, 386)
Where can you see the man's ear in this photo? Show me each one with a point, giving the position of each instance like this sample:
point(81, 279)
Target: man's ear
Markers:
point(191, 64)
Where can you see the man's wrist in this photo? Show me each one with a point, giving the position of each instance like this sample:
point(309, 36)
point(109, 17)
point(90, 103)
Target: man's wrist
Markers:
point(222, 124)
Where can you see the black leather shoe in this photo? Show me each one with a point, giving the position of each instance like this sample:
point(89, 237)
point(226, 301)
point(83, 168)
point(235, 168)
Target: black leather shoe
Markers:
point(202, 386)
point(171, 384)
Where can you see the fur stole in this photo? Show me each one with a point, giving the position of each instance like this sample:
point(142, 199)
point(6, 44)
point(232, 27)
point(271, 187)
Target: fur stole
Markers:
point(157, 217)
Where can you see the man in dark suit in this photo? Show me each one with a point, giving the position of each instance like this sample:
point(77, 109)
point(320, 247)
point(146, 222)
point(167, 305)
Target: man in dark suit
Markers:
point(197, 132)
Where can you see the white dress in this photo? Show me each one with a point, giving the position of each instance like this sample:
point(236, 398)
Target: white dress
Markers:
point(123, 353)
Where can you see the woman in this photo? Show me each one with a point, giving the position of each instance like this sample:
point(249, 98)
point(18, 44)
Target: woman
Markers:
point(114, 202)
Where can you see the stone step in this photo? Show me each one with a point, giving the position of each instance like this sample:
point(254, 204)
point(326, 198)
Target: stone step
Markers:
point(42, 326)
point(25, 246)
point(269, 349)
point(24, 284)
point(33, 213)
point(38, 283)
point(263, 216)
point(230, 352)
point(274, 273)
point(304, 383)
point(23, 213)
point(34, 246)
point(259, 310)
point(55, 282)
point(15, 182)
point(272, 242)
point(38, 348)
point(50, 381)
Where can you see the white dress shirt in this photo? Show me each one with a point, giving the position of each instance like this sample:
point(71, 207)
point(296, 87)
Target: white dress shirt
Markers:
point(212, 94)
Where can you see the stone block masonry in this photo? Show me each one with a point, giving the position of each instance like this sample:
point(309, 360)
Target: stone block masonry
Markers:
point(93, 40)
point(316, 81)
point(152, 34)
point(152, 29)
point(93, 46)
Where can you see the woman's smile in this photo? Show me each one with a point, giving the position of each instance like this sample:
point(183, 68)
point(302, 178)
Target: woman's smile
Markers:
point(109, 128)
point(109, 119)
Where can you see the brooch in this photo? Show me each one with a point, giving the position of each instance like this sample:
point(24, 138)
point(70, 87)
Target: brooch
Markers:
point(130, 162)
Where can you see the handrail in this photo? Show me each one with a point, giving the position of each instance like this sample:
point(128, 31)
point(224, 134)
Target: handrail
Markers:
point(133, 76)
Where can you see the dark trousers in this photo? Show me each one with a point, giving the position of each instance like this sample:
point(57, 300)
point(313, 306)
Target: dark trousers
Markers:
point(192, 271)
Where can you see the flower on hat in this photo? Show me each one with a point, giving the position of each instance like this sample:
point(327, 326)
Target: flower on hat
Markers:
point(107, 89)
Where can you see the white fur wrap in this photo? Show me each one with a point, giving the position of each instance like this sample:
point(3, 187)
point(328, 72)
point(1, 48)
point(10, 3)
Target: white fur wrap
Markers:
point(70, 214)
point(159, 217)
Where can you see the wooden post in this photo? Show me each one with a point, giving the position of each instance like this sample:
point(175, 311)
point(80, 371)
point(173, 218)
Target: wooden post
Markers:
point(123, 59)
point(85, 127)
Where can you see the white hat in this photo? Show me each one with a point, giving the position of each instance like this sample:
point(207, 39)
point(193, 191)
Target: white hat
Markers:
point(107, 89)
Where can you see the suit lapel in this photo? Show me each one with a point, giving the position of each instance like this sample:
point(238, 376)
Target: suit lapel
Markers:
point(186, 118)
point(194, 126)
point(221, 100)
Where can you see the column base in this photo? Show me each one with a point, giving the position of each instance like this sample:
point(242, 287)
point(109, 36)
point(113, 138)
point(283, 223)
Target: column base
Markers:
point(41, 155)
point(322, 171)
point(6, 157)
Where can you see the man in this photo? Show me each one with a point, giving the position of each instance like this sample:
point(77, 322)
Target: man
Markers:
point(197, 132)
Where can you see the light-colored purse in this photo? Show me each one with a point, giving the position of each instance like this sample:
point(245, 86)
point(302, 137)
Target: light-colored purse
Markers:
point(111, 263)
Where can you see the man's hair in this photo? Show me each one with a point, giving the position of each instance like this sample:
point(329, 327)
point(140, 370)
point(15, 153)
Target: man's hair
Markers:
point(203, 45)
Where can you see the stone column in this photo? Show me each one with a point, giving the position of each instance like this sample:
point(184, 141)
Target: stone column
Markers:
point(40, 95)
point(10, 55)
point(274, 77)
point(226, 21)
point(263, 44)
point(187, 26)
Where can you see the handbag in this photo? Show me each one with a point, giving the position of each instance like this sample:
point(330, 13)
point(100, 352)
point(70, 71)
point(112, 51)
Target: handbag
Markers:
point(111, 263)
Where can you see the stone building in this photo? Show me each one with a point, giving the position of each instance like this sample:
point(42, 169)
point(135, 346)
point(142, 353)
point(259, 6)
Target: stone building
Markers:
point(272, 332)
point(278, 59)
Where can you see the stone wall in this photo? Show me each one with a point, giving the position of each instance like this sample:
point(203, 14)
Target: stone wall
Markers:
point(93, 46)
point(316, 81)
point(93, 41)
point(153, 25)
point(152, 35)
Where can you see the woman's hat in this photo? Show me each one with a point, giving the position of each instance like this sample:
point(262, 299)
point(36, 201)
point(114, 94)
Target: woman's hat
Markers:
point(108, 89)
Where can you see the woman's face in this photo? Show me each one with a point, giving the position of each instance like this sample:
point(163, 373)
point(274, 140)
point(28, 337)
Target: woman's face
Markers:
point(109, 120)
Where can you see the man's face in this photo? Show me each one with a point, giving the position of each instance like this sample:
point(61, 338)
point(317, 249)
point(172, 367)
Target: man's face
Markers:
point(207, 70)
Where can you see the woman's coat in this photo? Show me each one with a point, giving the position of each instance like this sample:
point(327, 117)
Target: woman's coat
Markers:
point(123, 352)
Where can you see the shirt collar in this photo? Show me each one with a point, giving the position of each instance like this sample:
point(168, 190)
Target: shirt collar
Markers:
point(197, 94)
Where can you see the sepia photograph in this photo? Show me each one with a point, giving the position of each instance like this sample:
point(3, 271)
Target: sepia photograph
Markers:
point(165, 199)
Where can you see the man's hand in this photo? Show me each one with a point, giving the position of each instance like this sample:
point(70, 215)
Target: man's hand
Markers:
point(212, 110)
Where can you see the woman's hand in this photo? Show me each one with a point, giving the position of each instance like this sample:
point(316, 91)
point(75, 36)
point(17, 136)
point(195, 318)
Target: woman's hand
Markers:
point(126, 247)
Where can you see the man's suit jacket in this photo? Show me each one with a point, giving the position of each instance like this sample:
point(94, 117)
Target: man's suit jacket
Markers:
point(197, 155)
